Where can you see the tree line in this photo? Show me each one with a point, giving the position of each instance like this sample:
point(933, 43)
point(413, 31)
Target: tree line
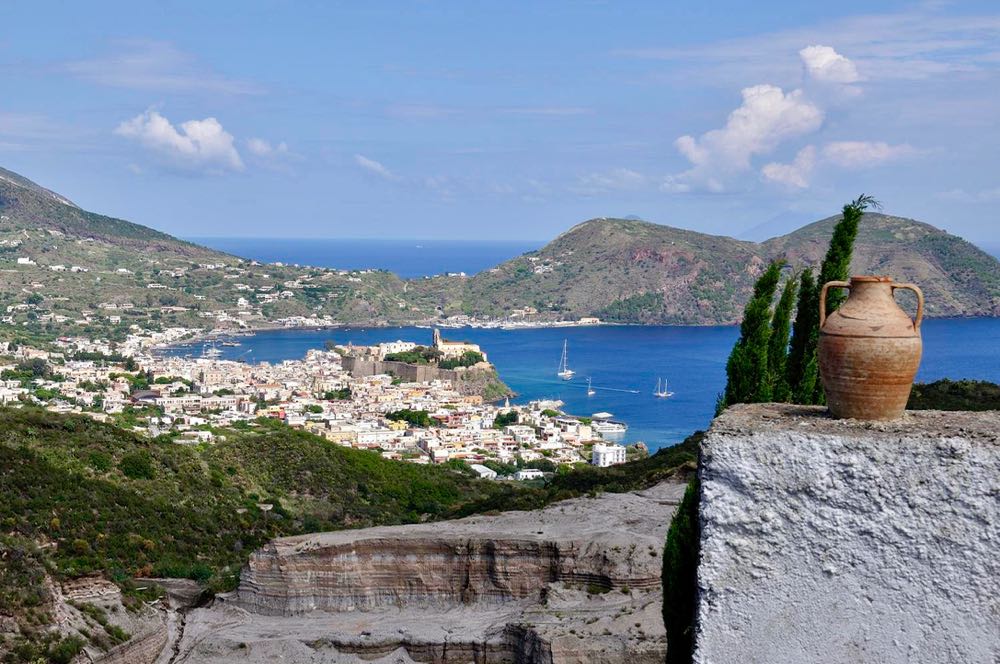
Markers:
point(775, 359)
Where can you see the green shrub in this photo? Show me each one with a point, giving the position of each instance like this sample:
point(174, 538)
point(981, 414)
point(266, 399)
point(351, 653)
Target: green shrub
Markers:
point(418, 418)
point(955, 395)
point(100, 461)
point(137, 466)
point(505, 419)
point(680, 578)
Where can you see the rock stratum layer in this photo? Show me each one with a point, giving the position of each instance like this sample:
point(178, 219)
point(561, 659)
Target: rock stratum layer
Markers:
point(576, 582)
point(842, 541)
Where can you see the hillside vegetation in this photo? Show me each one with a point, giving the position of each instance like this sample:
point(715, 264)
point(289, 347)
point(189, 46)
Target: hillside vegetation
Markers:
point(955, 395)
point(89, 270)
point(112, 502)
point(637, 272)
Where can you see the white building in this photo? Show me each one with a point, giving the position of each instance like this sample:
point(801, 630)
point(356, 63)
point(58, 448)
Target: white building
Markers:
point(391, 347)
point(528, 474)
point(484, 472)
point(607, 455)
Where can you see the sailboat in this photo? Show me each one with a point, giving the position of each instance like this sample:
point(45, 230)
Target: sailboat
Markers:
point(564, 371)
point(662, 392)
point(590, 390)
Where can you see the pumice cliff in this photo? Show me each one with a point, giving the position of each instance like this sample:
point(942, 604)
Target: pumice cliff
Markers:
point(576, 582)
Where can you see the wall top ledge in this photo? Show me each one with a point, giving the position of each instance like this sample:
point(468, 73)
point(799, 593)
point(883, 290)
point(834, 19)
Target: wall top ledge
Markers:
point(748, 419)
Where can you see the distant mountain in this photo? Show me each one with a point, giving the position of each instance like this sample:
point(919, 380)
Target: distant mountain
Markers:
point(992, 248)
point(957, 277)
point(12, 178)
point(638, 272)
point(63, 267)
point(74, 271)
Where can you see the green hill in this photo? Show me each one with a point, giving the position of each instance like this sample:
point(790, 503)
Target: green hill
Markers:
point(638, 272)
point(96, 275)
point(86, 268)
point(957, 277)
point(113, 502)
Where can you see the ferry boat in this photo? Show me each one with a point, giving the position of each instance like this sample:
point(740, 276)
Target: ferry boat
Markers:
point(662, 392)
point(564, 371)
point(604, 425)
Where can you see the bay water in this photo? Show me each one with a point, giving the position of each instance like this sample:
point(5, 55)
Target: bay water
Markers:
point(624, 363)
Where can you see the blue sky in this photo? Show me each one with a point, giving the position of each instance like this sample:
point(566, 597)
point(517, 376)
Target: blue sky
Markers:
point(500, 120)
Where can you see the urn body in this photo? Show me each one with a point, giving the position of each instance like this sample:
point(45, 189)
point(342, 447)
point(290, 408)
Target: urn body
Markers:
point(869, 349)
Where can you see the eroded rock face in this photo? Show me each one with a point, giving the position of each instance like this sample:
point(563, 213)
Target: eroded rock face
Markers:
point(412, 567)
point(575, 582)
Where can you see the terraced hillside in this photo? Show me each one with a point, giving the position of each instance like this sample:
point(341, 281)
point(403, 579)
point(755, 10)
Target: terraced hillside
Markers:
point(67, 269)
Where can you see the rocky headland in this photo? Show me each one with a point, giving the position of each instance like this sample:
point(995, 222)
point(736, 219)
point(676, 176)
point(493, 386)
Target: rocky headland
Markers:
point(578, 581)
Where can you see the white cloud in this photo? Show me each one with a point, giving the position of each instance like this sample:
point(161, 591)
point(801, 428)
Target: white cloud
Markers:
point(767, 117)
point(794, 175)
point(843, 154)
point(617, 179)
point(196, 145)
point(155, 65)
point(862, 154)
point(920, 42)
point(374, 167)
point(964, 196)
point(263, 148)
point(823, 63)
point(672, 184)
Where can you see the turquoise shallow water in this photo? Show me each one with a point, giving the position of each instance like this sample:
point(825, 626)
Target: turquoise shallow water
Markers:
point(624, 363)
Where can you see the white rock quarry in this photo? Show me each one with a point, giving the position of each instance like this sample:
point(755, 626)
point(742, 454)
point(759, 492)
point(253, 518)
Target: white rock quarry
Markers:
point(575, 582)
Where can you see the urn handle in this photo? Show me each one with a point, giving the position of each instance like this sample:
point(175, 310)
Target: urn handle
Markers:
point(920, 302)
point(822, 297)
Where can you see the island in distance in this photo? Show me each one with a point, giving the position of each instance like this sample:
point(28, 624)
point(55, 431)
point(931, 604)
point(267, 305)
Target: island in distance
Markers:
point(89, 271)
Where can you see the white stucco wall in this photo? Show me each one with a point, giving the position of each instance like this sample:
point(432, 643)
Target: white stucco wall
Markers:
point(834, 541)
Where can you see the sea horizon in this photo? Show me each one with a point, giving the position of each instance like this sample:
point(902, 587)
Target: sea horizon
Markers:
point(406, 257)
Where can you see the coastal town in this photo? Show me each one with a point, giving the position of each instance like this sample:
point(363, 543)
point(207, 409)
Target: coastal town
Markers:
point(376, 398)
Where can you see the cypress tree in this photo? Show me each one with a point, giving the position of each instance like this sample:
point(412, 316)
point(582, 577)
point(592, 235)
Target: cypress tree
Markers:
point(680, 578)
point(837, 263)
point(747, 367)
point(803, 367)
point(777, 347)
point(806, 321)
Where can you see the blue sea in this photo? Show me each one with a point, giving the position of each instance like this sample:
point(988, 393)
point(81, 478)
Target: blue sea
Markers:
point(407, 258)
point(624, 363)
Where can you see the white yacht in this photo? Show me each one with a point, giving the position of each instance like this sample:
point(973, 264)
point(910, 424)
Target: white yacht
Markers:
point(564, 371)
point(604, 425)
point(662, 392)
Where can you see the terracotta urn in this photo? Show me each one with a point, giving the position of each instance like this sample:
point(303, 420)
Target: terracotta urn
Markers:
point(869, 349)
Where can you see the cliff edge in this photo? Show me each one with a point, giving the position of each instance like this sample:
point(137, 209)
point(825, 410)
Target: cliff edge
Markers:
point(578, 581)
